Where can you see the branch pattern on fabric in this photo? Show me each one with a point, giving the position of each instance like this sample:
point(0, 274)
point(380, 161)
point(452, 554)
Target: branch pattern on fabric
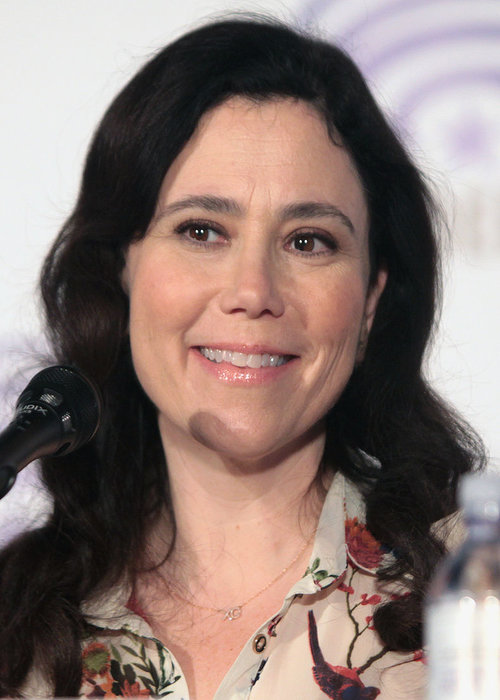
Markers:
point(105, 674)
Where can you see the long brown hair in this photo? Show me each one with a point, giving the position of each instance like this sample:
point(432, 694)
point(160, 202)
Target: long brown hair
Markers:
point(109, 494)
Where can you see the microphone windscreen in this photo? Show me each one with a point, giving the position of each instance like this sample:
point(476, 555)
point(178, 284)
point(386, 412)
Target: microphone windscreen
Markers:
point(72, 396)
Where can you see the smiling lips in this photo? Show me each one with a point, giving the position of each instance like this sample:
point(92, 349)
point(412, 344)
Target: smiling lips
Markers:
point(241, 359)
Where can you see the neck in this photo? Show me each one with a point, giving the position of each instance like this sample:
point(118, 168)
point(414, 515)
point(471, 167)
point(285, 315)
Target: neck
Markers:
point(235, 515)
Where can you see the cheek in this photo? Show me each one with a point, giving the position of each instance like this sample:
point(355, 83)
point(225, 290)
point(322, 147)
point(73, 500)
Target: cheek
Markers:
point(335, 315)
point(161, 311)
point(162, 301)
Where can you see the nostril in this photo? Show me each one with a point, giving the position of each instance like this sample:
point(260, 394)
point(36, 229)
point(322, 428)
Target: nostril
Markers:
point(253, 295)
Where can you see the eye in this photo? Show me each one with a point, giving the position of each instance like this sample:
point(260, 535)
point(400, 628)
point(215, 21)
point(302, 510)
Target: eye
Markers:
point(312, 243)
point(199, 232)
point(304, 242)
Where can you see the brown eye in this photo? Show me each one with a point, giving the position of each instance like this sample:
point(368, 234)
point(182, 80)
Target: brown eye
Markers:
point(304, 243)
point(310, 243)
point(199, 233)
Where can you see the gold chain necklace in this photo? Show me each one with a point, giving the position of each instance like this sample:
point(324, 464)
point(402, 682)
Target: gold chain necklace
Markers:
point(234, 612)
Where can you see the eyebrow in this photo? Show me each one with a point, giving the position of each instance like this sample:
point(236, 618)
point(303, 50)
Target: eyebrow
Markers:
point(224, 205)
point(314, 210)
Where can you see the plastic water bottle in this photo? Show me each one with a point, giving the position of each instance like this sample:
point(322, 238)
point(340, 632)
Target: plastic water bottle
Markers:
point(462, 624)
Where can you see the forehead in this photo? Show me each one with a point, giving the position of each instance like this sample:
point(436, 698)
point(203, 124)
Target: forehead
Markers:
point(276, 150)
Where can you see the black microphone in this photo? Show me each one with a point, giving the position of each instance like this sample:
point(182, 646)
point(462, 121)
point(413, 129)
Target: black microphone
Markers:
point(58, 412)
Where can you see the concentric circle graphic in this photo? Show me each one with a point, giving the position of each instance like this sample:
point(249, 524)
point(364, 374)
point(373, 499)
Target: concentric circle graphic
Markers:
point(435, 66)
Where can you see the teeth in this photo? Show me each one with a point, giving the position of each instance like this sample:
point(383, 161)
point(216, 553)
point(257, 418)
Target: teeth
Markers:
point(254, 361)
point(240, 359)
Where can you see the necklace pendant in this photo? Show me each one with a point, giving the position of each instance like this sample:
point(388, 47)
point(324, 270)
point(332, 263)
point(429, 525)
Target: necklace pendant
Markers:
point(233, 613)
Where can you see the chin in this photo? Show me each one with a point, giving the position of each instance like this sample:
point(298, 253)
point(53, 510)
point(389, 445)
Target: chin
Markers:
point(240, 444)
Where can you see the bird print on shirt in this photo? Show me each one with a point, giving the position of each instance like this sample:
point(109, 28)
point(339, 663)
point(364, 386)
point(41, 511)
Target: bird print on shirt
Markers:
point(337, 682)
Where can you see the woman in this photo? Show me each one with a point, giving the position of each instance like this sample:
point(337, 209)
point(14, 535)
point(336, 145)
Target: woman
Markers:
point(250, 276)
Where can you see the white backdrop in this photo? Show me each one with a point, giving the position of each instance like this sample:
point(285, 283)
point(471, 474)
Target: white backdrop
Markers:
point(435, 67)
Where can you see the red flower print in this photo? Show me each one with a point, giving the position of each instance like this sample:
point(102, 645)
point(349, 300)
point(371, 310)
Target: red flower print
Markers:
point(372, 600)
point(419, 656)
point(271, 629)
point(368, 621)
point(133, 690)
point(346, 589)
point(362, 546)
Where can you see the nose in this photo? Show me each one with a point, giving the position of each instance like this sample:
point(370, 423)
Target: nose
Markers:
point(253, 285)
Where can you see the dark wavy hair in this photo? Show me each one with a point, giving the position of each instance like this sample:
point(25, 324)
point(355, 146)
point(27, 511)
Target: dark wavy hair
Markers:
point(109, 494)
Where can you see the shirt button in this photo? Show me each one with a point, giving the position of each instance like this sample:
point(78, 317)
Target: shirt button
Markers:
point(259, 643)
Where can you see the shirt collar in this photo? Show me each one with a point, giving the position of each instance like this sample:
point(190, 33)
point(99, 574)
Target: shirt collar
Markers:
point(341, 538)
point(111, 611)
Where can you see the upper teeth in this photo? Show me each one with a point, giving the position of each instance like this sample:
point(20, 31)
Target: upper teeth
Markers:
point(240, 359)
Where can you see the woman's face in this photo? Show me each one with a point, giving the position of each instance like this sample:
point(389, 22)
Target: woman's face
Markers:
point(249, 293)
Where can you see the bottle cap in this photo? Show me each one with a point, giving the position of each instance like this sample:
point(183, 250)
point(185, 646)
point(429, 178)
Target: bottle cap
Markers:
point(479, 495)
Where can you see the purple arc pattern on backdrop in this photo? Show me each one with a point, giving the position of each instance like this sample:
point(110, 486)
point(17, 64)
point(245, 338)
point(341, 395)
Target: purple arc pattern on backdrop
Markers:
point(383, 51)
point(399, 50)
point(314, 9)
point(437, 85)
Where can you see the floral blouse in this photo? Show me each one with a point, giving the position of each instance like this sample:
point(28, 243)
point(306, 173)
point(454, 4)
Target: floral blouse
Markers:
point(320, 644)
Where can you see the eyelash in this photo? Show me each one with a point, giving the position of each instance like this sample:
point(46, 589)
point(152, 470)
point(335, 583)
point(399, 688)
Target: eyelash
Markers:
point(326, 240)
point(183, 230)
point(329, 243)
